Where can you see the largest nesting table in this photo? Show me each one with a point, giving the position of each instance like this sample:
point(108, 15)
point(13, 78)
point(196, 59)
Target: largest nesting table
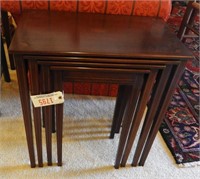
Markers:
point(138, 53)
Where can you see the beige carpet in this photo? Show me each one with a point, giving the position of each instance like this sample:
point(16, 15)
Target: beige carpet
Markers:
point(88, 153)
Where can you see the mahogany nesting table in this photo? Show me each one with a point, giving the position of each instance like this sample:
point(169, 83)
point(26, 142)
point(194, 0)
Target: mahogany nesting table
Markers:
point(138, 53)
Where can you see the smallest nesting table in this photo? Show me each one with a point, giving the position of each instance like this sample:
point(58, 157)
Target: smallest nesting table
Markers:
point(138, 53)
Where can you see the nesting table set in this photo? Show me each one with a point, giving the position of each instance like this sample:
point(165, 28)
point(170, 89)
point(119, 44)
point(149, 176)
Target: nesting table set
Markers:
point(140, 54)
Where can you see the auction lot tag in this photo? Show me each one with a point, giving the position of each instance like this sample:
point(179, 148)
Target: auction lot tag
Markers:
point(47, 99)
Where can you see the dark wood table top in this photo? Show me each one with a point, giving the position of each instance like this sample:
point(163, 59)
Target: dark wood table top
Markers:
point(96, 35)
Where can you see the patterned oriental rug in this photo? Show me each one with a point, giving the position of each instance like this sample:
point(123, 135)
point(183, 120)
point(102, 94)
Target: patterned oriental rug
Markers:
point(180, 128)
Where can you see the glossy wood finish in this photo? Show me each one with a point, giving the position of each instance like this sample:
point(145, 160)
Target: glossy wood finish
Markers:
point(85, 34)
point(103, 48)
point(157, 9)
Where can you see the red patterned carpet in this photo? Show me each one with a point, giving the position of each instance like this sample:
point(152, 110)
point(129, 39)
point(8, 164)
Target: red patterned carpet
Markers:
point(180, 128)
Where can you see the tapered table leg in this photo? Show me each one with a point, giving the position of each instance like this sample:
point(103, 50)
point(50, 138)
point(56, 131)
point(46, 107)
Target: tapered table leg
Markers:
point(139, 113)
point(134, 92)
point(35, 90)
point(155, 99)
point(166, 98)
point(25, 102)
point(43, 90)
point(119, 109)
point(47, 113)
point(59, 116)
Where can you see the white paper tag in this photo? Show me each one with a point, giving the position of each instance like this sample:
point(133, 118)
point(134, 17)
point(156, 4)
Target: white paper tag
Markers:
point(47, 99)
